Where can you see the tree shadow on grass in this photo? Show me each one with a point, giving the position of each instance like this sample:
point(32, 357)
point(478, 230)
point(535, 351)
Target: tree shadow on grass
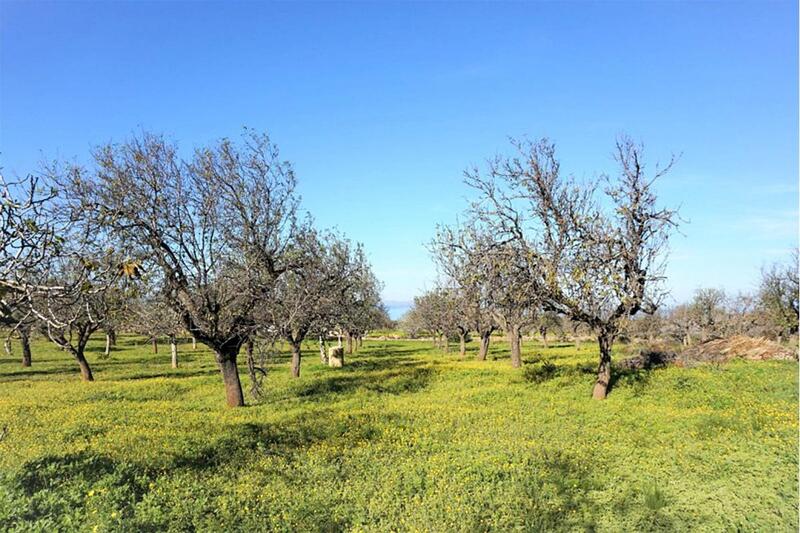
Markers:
point(283, 440)
point(56, 486)
point(412, 377)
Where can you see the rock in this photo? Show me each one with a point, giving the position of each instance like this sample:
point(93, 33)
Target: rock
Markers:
point(336, 356)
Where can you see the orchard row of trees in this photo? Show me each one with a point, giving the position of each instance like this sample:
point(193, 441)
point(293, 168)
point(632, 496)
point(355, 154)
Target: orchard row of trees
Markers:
point(537, 249)
point(771, 312)
point(213, 245)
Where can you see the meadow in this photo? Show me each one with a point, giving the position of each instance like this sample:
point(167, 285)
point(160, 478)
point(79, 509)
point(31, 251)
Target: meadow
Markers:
point(402, 438)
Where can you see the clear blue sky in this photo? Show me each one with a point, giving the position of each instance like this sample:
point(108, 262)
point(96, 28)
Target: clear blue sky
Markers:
point(381, 106)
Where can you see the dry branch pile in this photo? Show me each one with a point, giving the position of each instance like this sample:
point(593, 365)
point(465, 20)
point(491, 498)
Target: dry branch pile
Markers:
point(737, 347)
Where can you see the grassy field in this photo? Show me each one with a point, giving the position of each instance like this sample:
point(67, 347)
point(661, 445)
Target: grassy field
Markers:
point(402, 438)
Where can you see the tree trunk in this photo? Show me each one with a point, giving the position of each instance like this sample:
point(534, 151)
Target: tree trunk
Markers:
point(194, 343)
point(112, 336)
point(86, 371)
point(107, 352)
point(7, 346)
point(600, 391)
point(445, 343)
point(24, 338)
point(349, 343)
point(462, 344)
point(543, 333)
point(155, 345)
point(230, 376)
point(173, 348)
point(296, 358)
point(484, 348)
point(516, 352)
point(360, 342)
point(339, 337)
point(323, 354)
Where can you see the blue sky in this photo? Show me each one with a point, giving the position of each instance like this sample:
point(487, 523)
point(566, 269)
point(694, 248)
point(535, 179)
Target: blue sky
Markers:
point(381, 106)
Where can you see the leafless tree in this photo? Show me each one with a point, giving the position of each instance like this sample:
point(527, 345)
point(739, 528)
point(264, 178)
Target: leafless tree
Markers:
point(595, 263)
point(314, 297)
point(30, 236)
point(462, 256)
point(216, 226)
point(778, 297)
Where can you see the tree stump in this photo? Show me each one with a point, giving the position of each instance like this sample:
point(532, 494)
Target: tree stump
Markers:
point(336, 357)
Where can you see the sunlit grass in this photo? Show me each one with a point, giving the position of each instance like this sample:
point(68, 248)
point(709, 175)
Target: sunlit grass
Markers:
point(402, 438)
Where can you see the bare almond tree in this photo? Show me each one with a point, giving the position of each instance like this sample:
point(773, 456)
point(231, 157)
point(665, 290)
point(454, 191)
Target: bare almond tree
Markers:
point(309, 299)
point(597, 263)
point(778, 297)
point(216, 227)
point(30, 237)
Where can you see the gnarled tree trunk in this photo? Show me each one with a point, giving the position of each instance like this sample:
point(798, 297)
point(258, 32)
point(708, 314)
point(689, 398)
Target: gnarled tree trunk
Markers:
point(296, 353)
point(86, 371)
point(230, 377)
point(483, 351)
point(173, 348)
point(24, 337)
point(516, 351)
point(600, 391)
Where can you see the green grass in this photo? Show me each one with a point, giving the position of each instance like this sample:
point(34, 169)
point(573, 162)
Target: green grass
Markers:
point(402, 438)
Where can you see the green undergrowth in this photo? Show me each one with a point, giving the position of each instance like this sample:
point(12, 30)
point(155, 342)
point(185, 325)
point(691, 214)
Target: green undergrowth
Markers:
point(402, 438)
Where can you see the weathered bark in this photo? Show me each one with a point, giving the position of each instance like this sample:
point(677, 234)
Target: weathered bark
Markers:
point(514, 340)
point(484, 347)
point(86, 371)
point(462, 344)
point(107, 351)
point(323, 354)
point(154, 341)
point(600, 391)
point(173, 348)
point(296, 353)
point(349, 343)
point(24, 338)
point(7, 346)
point(230, 377)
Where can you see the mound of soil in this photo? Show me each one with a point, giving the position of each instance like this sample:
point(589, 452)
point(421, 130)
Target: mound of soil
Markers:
point(737, 347)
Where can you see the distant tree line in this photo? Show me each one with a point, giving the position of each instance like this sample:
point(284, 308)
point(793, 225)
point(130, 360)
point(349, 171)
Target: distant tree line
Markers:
point(213, 246)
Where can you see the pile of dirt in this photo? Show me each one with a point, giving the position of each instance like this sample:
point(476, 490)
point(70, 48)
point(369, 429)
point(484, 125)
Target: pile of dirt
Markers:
point(737, 347)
